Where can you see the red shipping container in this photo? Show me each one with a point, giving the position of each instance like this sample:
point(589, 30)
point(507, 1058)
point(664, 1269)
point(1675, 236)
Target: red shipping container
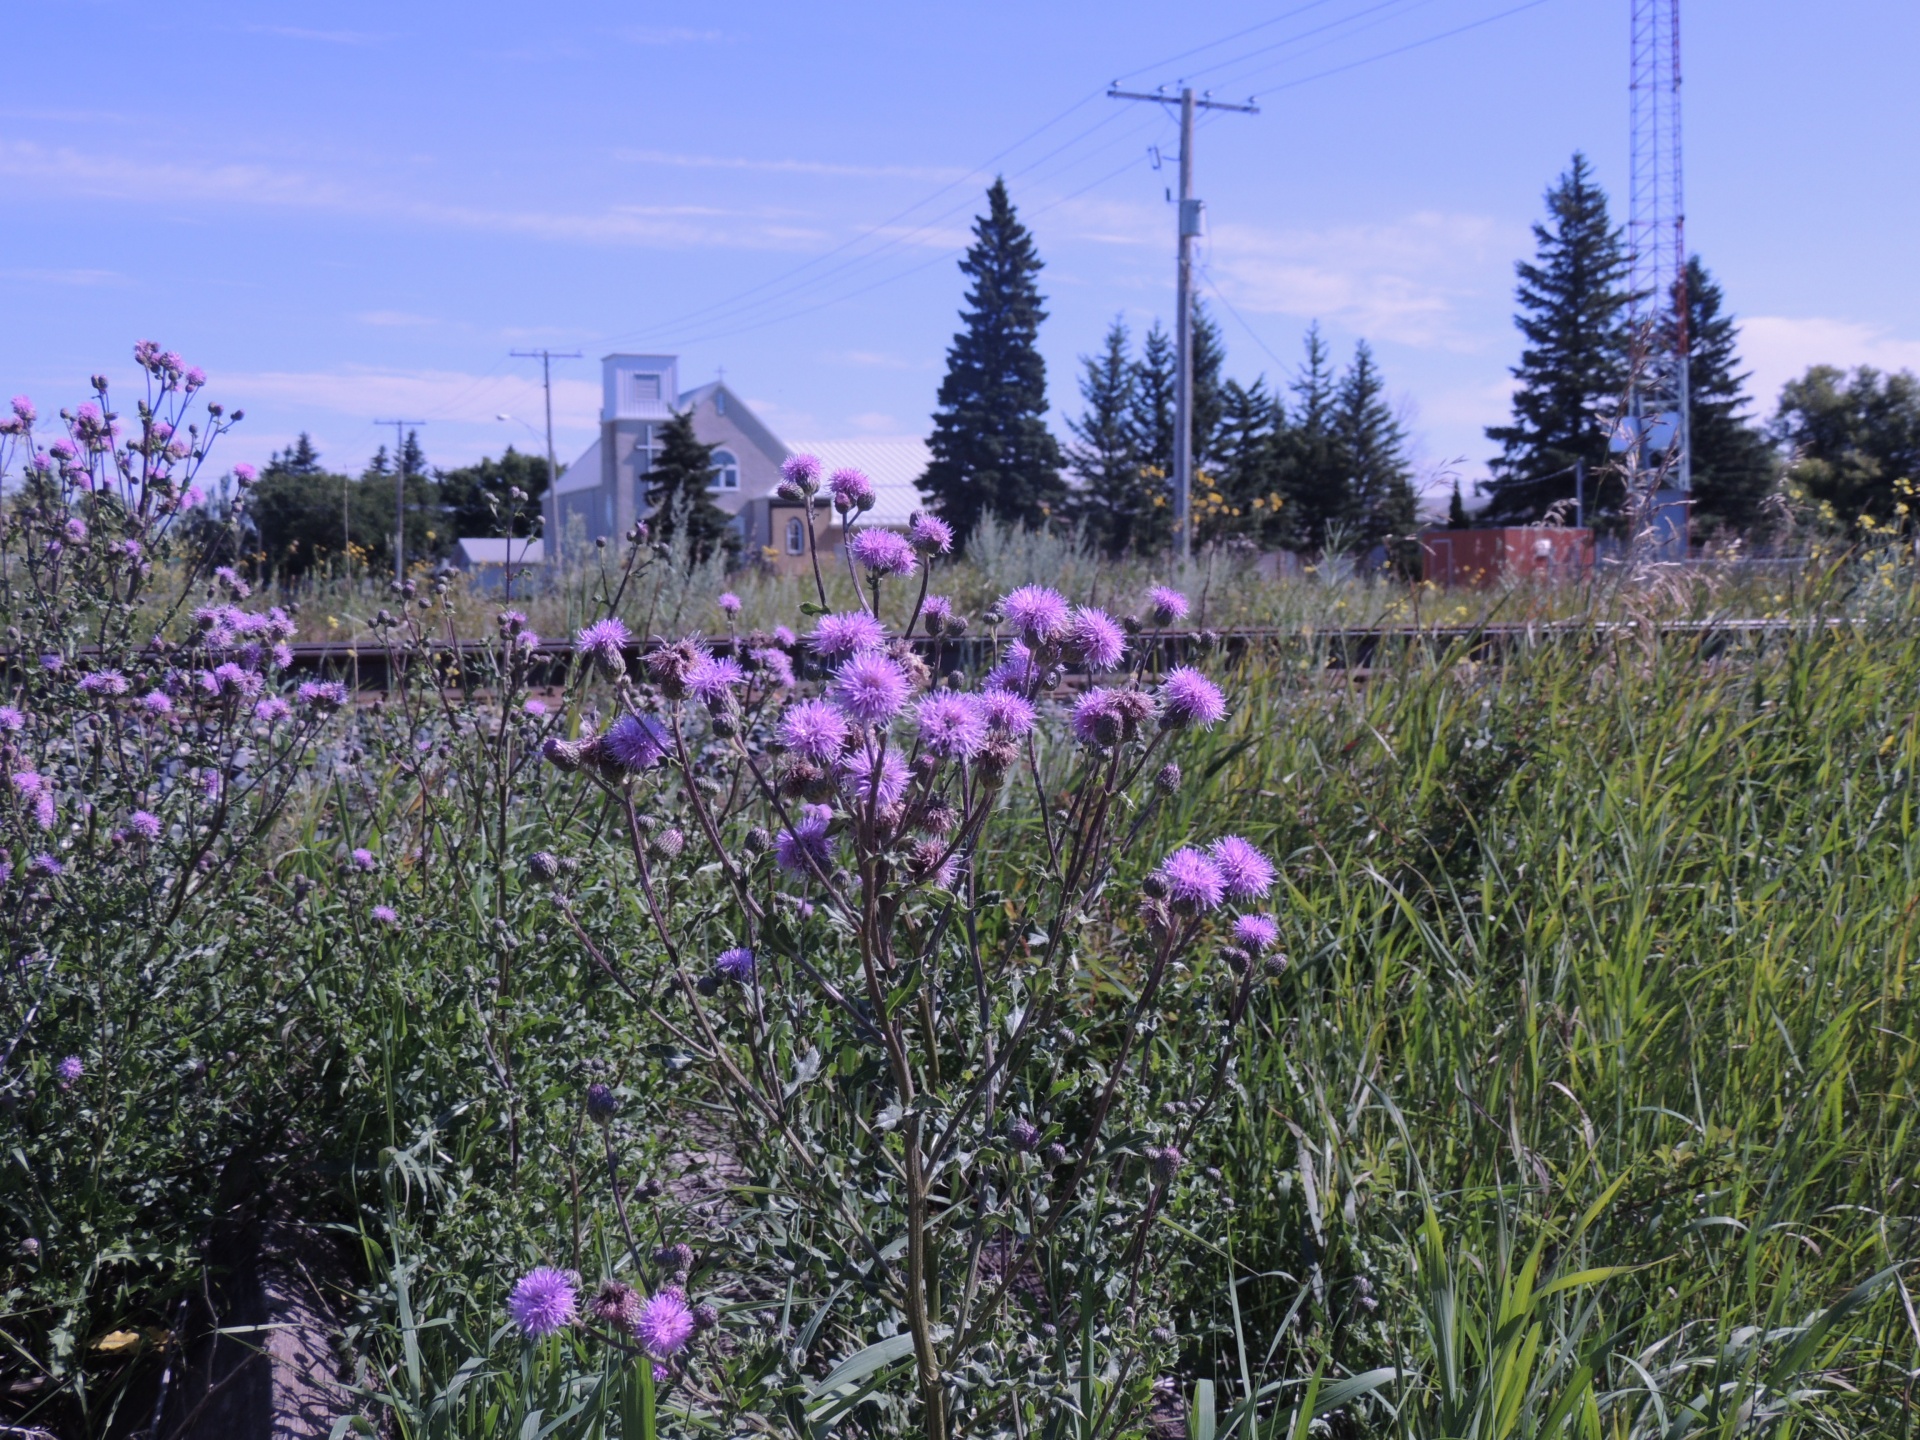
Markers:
point(1481, 557)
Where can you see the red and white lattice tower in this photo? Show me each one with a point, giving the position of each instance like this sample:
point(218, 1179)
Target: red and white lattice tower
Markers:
point(1656, 237)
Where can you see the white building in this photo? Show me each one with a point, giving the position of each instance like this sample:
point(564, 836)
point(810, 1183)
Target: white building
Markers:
point(602, 494)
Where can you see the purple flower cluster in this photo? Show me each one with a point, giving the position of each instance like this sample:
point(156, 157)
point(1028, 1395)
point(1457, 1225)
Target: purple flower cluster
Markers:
point(953, 727)
point(543, 1302)
point(605, 641)
point(804, 848)
point(636, 742)
point(851, 489)
point(838, 636)
point(870, 688)
point(814, 730)
point(883, 553)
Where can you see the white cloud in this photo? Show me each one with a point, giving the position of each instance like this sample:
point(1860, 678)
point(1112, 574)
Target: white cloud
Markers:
point(872, 422)
point(788, 167)
point(1407, 281)
point(324, 37)
point(394, 319)
point(1778, 348)
point(66, 277)
point(671, 35)
point(71, 171)
point(433, 395)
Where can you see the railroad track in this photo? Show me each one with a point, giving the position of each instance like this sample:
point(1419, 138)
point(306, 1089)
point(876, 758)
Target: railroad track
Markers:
point(368, 665)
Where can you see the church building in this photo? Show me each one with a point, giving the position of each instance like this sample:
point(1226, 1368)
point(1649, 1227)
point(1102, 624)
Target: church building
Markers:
point(603, 492)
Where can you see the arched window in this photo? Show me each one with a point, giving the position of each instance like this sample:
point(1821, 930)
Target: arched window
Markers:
point(796, 536)
point(726, 471)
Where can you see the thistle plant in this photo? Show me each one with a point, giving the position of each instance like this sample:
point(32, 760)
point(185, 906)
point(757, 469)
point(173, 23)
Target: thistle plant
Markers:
point(949, 1032)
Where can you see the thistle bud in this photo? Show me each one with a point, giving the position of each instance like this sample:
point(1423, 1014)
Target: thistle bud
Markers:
point(674, 1257)
point(670, 842)
point(705, 1317)
point(758, 841)
point(1168, 780)
point(544, 866)
point(602, 1106)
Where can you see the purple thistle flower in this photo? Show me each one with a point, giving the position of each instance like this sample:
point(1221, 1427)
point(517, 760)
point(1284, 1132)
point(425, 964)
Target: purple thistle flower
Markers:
point(321, 694)
point(605, 641)
point(775, 667)
point(870, 688)
point(711, 679)
point(1166, 1161)
point(104, 682)
point(232, 679)
point(636, 742)
point(45, 864)
point(542, 1302)
point(838, 636)
point(801, 470)
point(785, 637)
point(23, 410)
point(51, 663)
point(245, 474)
point(528, 640)
point(145, 824)
point(602, 1104)
point(929, 533)
point(1256, 933)
point(1098, 719)
point(69, 1070)
point(1193, 881)
point(735, 964)
point(385, 915)
point(881, 552)
point(1248, 873)
point(1016, 671)
point(729, 602)
point(954, 727)
point(665, 1324)
point(272, 710)
point(936, 611)
point(1010, 713)
point(535, 708)
point(814, 731)
point(1037, 612)
point(1096, 638)
point(860, 776)
point(11, 719)
point(362, 859)
point(1189, 698)
point(852, 490)
point(805, 848)
point(1166, 606)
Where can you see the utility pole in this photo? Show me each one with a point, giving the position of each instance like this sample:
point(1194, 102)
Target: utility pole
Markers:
point(399, 498)
point(546, 358)
point(1189, 228)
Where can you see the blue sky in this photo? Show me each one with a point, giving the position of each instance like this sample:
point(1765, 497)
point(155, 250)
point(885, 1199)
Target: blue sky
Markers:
point(350, 210)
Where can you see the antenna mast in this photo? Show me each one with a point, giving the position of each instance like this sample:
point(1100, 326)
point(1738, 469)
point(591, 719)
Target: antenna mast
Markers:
point(1657, 244)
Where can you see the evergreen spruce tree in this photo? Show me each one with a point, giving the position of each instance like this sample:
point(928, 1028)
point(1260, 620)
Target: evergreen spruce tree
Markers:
point(1572, 371)
point(1248, 464)
point(1457, 511)
point(1319, 479)
point(299, 458)
point(992, 451)
point(1209, 359)
point(1155, 375)
point(677, 491)
point(1374, 448)
point(1102, 454)
point(1733, 464)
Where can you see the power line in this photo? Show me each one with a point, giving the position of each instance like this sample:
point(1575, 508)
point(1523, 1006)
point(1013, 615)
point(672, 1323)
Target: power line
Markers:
point(1402, 49)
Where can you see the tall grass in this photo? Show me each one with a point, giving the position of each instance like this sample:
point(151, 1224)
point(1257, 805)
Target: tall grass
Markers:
point(1615, 928)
